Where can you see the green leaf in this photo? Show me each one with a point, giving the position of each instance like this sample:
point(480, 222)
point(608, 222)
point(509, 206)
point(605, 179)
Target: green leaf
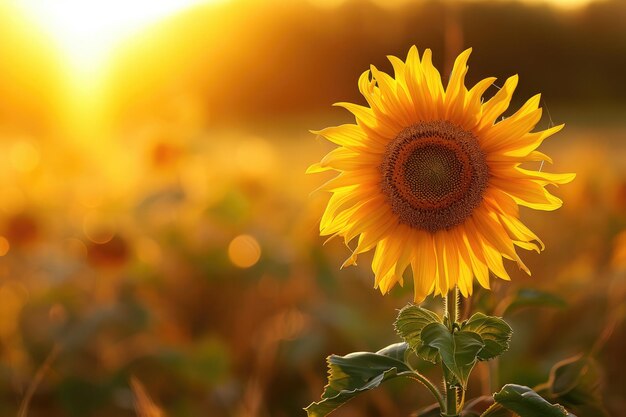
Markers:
point(494, 331)
point(528, 297)
point(566, 375)
point(575, 382)
point(357, 372)
point(524, 402)
point(410, 323)
point(458, 350)
point(395, 351)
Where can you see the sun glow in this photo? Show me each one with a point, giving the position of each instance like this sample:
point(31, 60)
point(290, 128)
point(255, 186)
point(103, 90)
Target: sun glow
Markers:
point(87, 32)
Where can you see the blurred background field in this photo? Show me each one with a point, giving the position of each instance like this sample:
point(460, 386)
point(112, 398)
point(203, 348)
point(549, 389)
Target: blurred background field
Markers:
point(155, 219)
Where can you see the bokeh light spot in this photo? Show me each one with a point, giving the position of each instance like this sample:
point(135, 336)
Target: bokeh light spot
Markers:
point(244, 251)
point(75, 248)
point(4, 246)
point(98, 228)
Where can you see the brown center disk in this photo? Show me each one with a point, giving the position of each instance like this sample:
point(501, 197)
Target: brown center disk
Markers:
point(434, 175)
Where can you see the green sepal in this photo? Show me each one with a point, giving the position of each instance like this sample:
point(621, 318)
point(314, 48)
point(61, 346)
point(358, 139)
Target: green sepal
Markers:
point(458, 350)
point(410, 323)
point(357, 372)
point(522, 401)
point(494, 331)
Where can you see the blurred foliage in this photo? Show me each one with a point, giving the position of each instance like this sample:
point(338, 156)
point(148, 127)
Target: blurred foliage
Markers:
point(575, 383)
point(176, 240)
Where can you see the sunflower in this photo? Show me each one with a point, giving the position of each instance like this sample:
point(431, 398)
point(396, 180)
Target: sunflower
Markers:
point(431, 178)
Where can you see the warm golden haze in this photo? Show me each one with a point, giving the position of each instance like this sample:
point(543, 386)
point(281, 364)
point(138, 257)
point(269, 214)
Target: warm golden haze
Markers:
point(122, 194)
point(87, 32)
point(431, 178)
point(565, 4)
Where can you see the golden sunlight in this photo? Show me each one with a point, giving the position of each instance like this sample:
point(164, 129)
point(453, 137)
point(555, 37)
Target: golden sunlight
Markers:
point(565, 4)
point(86, 32)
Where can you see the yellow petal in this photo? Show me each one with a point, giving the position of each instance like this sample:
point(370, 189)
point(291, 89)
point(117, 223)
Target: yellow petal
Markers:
point(398, 68)
point(386, 255)
point(524, 145)
point(349, 179)
point(442, 284)
point(477, 259)
point(454, 99)
point(493, 232)
point(365, 116)
point(482, 249)
point(344, 159)
point(473, 104)
point(352, 137)
point(546, 177)
point(528, 193)
point(496, 105)
point(423, 265)
point(433, 81)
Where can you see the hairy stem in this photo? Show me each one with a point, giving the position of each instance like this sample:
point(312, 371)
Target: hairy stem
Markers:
point(429, 385)
point(452, 313)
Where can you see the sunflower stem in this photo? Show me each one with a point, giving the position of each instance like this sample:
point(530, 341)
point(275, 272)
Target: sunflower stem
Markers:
point(451, 301)
point(429, 385)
